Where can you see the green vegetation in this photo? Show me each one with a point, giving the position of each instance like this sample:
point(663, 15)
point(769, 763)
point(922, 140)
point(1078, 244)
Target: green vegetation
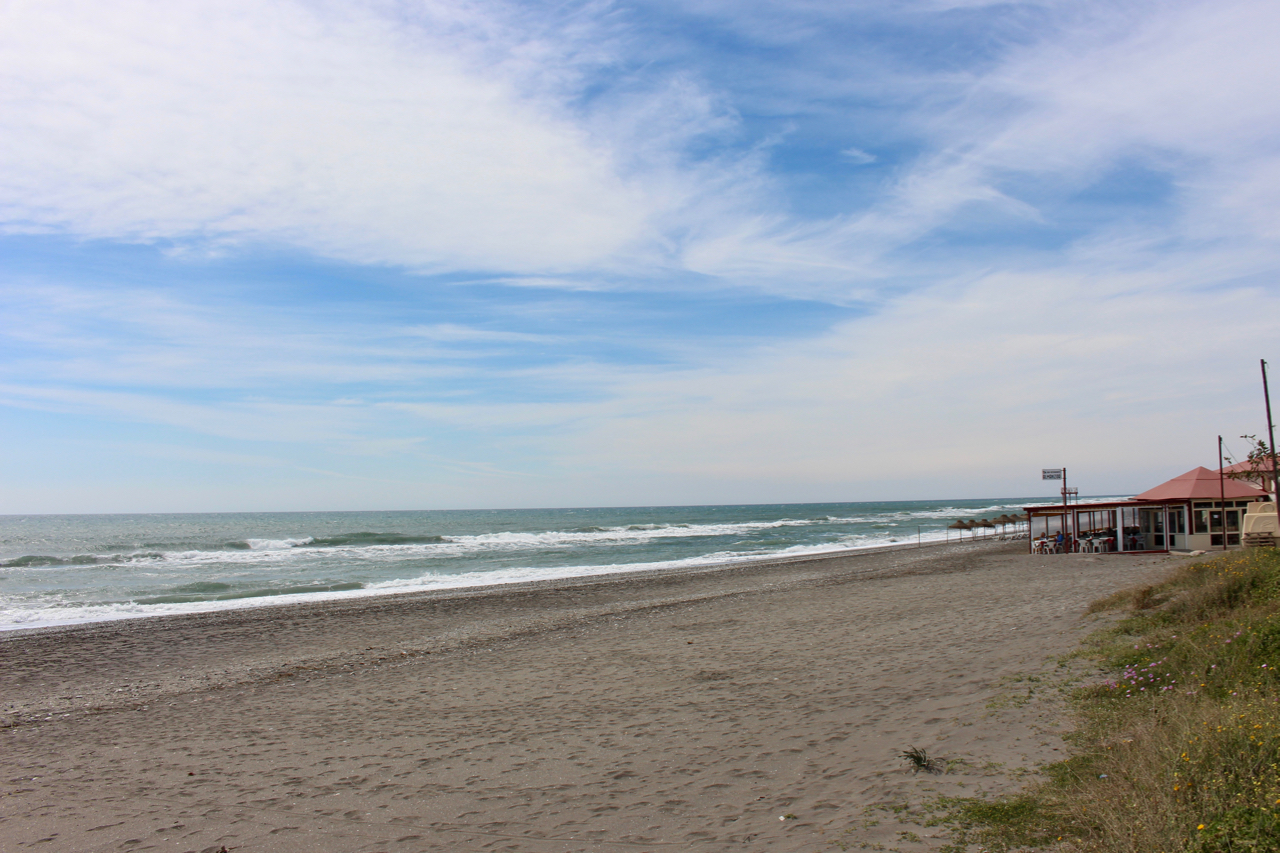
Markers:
point(1180, 749)
point(1026, 821)
point(919, 760)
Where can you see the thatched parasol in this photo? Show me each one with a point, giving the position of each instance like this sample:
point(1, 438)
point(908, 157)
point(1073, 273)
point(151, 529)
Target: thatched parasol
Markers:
point(957, 525)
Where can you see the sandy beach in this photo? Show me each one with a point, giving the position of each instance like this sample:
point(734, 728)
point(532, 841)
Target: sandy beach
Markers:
point(750, 707)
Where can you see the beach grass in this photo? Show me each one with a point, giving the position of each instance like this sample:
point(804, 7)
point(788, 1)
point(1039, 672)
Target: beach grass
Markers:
point(919, 760)
point(1179, 748)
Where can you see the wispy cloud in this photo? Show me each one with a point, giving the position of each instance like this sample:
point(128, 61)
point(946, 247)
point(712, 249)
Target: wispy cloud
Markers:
point(326, 128)
point(602, 252)
point(858, 157)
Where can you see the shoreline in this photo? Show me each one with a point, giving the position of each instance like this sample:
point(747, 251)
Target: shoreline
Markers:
point(680, 710)
point(551, 603)
point(263, 602)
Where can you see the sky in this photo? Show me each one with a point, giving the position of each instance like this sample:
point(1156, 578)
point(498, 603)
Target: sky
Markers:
point(279, 255)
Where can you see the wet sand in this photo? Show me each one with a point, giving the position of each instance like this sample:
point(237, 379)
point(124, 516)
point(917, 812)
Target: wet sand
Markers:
point(660, 711)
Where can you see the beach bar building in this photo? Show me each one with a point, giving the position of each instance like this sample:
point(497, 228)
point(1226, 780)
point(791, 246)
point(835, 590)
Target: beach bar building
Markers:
point(1187, 513)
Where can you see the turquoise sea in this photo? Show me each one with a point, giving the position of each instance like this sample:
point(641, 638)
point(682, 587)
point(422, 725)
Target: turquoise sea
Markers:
point(66, 569)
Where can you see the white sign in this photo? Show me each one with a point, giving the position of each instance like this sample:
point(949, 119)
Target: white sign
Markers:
point(1050, 473)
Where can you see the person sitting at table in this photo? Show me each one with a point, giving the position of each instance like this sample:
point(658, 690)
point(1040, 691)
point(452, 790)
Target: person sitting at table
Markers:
point(1057, 541)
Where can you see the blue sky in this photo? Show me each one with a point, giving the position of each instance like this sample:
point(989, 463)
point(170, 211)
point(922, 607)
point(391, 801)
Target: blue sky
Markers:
point(395, 255)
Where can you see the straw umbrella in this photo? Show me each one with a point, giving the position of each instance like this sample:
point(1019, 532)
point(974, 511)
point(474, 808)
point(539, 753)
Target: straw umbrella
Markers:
point(957, 525)
point(1004, 521)
point(986, 523)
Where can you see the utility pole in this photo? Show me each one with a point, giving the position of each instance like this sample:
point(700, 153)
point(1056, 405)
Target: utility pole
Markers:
point(1271, 433)
point(1066, 540)
point(1222, 487)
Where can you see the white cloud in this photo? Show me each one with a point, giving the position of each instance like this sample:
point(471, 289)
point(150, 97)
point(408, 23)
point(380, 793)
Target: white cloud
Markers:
point(1184, 90)
point(858, 157)
point(453, 136)
point(342, 132)
point(447, 140)
point(66, 335)
point(956, 389)
point(1187, 91)
point(1116, 375)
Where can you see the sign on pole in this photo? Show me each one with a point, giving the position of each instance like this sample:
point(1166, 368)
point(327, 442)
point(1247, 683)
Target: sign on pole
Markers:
point(1050, 473)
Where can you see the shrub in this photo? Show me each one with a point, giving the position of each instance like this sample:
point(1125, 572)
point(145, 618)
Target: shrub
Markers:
point(1179, 749)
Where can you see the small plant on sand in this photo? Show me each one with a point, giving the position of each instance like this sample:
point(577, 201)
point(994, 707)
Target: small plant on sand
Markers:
point(919, 760)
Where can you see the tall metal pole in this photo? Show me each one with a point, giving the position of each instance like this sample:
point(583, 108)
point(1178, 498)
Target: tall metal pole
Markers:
point(1222, 488)
point(1271, 433)
point(1066, 540)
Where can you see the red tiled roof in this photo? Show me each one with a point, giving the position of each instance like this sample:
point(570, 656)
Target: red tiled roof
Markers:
point(1199, 484)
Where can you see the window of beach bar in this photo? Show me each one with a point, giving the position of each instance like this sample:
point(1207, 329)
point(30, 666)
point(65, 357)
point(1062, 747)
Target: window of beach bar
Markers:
point(1046, 523)
point(1126, 528)
point(1097, 522)
point(1081, 521)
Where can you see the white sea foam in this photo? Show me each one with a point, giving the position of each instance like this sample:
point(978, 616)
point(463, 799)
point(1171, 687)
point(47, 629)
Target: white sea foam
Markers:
point(65, 612)
point(277, 544)
point(296, 549)
point(446, 551)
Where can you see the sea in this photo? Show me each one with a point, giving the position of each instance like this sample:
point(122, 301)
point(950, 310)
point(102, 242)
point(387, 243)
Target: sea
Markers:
point(71, 569)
